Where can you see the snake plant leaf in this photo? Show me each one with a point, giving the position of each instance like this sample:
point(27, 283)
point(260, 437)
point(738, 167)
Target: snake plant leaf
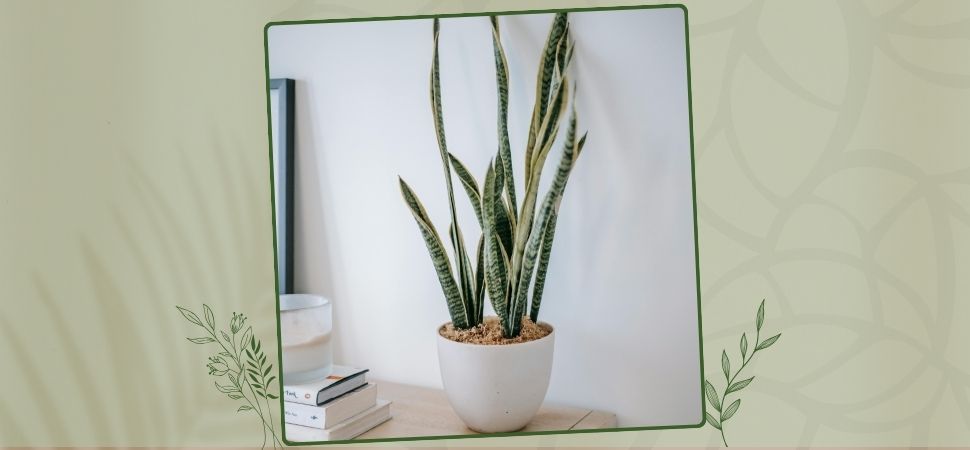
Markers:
point(502, 84)
point(465, 281)
point(550, 206)
point(480, 280)
point(559, 78)
point(465, 276)
point(503, 219)
point(468, 182)
point(439, 122)
point(550, 125)
point(472, 300)
point(439, 257)
point(548, 234)
point(544, 82)
point(496, 261)
point(527, 217)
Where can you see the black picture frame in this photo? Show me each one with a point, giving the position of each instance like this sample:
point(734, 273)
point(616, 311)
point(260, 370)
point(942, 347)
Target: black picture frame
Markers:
point(283, 151)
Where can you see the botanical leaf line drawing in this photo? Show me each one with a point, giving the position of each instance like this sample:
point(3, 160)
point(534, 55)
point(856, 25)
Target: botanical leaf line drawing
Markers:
point(242, 363)
point(723, 410)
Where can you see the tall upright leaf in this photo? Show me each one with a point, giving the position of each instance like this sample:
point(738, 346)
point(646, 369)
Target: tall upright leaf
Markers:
point(544, 82)
point(465, 272)
point(496, 259)
point(504, 146)
point(439, 257)
point(550, 206)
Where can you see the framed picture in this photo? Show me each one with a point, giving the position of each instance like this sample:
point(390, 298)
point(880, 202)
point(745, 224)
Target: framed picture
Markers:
point(281, 96)
point(424, 137)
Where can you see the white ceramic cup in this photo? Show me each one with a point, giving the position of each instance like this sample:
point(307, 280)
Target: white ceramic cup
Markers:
point(306, 325)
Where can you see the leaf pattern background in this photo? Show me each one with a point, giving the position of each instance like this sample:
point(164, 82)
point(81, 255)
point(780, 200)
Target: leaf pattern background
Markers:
point(833, 178)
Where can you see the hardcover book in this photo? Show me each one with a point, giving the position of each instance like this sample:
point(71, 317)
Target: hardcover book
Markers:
point(341, 380)
point(349, 429)
point(333, 412)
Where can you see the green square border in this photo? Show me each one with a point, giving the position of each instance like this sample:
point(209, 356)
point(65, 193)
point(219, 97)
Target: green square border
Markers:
point(690, 113)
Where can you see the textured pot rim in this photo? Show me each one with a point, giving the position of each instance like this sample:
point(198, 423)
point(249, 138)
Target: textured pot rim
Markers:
point(549, 336)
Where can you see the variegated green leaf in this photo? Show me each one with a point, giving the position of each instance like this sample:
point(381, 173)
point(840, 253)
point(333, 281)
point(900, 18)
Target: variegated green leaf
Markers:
point(496, 263)
point(548, 234)
point(526, 218)
point(471, 186)
point(504, 146)
point(544, 82)
point(550, 206)
point(439, 257)
point(480, 280)
point(500, 211)
point(465, 282)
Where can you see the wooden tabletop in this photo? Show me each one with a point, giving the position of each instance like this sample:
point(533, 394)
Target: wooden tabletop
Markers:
point(419, 411)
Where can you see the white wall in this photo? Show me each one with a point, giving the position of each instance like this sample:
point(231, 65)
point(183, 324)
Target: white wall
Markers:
point(621, 286)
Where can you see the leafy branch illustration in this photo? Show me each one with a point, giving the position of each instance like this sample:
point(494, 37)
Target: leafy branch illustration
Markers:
point(242, 363)
point(732, 386)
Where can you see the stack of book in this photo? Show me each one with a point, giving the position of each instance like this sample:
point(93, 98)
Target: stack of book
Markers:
point(340, 407)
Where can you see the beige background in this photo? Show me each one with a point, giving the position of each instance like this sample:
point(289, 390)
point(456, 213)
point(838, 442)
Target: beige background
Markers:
point(833, 180)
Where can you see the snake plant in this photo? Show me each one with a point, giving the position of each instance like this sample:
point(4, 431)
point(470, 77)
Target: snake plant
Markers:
point(513, 253)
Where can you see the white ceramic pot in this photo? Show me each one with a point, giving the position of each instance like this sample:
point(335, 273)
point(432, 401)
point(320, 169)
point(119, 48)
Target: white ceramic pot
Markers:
point(496, 388)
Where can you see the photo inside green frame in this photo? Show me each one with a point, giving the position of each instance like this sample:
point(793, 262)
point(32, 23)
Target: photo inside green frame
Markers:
point(580, 119)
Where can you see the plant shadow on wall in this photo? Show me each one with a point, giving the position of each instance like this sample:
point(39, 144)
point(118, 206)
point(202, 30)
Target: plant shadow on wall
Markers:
point(241, 362)
point(732, 385)
point(514, 248)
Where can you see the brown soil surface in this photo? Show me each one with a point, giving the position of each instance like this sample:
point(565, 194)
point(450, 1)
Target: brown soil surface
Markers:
point(490, 332)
